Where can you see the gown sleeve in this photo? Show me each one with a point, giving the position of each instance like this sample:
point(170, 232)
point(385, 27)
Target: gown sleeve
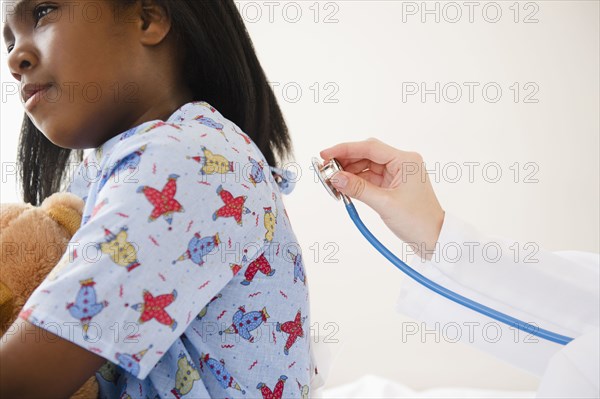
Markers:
point(554, 291)
point(171, 219)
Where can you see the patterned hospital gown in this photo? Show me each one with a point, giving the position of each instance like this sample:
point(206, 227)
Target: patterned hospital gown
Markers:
point(185, 274)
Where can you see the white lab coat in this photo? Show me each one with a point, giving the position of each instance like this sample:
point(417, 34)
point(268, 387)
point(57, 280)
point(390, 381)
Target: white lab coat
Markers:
point(560, 293)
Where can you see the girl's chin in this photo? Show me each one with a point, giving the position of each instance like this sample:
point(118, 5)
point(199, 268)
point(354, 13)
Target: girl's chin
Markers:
point(71, 142)
point(59, 138)
point(58, 141)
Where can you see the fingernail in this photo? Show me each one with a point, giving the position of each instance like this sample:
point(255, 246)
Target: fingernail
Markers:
point(339, 180)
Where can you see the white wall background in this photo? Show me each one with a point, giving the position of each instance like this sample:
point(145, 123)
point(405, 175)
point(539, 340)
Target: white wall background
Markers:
point(365, 53)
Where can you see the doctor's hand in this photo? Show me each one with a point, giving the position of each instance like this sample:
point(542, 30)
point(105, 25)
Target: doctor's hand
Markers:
point(395, 184)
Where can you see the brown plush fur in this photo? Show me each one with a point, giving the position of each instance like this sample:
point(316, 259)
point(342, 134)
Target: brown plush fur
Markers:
point(32, 240)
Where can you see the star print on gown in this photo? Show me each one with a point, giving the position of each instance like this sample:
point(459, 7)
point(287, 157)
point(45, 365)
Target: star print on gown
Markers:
point(164, 202)
point(154, 308)
point(234, 207)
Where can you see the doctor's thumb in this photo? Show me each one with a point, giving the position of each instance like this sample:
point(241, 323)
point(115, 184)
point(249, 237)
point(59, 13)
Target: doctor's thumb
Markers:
point(356, 187)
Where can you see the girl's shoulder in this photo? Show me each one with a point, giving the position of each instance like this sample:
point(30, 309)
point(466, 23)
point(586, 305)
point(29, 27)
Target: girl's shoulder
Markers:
point(198, 141)
point(197, 130)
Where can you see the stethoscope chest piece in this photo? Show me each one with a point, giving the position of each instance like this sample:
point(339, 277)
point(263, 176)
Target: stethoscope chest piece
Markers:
point(325, 172)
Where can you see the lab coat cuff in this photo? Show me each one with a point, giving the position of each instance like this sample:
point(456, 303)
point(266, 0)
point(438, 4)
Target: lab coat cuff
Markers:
point(455, 233)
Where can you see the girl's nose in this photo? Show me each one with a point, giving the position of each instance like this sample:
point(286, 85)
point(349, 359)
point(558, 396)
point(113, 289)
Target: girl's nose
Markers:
point(21, 60)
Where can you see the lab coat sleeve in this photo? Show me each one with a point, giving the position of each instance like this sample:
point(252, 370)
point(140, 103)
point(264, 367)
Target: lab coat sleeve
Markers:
point(555, 291)
point(574, 371)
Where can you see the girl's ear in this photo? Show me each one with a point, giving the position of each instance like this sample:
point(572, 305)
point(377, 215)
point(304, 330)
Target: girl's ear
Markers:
point(156, 23)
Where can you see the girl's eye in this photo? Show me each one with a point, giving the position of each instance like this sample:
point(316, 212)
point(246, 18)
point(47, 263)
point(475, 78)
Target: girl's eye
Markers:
point(36, 12)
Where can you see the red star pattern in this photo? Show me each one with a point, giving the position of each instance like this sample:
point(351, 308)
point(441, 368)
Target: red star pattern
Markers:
point(163, 201)
point(154, 308)
point(233, 206)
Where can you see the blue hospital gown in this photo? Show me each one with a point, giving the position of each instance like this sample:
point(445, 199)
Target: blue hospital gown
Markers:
point(185, 274)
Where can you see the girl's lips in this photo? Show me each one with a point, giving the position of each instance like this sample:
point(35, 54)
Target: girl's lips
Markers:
point(30, 88)
point(35, 97)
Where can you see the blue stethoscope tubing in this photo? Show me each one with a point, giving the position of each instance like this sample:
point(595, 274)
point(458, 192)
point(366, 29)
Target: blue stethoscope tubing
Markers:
point(504, 318)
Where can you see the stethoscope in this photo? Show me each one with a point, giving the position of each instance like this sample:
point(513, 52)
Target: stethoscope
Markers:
point(325, 173)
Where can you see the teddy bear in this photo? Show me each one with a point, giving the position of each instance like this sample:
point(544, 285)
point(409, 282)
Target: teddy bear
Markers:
point(33, 240)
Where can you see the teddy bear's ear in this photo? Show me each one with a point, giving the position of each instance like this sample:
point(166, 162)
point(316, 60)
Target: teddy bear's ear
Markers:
point(66, 209)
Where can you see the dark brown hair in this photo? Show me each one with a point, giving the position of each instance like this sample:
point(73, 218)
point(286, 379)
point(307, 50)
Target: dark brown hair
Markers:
point(232, 80)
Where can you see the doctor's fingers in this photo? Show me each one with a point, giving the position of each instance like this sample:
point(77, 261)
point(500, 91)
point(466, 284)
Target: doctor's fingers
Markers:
point(371, 177)
point(359, 166)
point(372, 149)
point(367, 175)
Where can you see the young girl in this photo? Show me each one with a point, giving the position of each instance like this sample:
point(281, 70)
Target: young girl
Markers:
point(185, 273)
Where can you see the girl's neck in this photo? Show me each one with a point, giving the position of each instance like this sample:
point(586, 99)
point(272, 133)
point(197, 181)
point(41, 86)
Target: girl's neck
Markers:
point(163, 108)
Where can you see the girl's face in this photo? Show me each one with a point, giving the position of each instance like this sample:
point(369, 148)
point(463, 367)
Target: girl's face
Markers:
point(105, 69)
